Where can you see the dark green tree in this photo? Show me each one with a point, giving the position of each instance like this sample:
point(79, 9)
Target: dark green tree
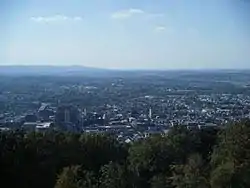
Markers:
point(69, 178)
point(114, 175)
point(76, 177)
point(156, 154)
point(159, 181)
point(231, 158)
point(190, 175)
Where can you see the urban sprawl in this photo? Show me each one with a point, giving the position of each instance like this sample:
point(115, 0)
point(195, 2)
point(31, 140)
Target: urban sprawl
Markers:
point(129, 105)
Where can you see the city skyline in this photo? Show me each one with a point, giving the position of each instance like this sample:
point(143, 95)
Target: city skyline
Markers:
point(126, 34)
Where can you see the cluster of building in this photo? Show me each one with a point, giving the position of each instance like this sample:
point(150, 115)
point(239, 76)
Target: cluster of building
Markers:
point(130, 106)
point(138, 117)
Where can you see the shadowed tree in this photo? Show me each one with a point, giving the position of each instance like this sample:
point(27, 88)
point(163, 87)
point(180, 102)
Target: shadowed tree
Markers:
point(114, 175)
point(69, 178)
point(190, 175)
point(75, 177)
point(231, 158)
point(159, 181)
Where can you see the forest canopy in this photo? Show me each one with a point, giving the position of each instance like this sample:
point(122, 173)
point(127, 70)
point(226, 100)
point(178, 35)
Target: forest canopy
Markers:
point(182, 158)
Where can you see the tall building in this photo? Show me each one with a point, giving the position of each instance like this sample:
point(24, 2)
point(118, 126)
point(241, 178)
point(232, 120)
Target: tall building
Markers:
point(67, 114)
point(150, 113)
point(85, 112)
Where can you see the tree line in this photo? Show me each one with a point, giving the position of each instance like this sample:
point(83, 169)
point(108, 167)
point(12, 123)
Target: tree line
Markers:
point(206, 158)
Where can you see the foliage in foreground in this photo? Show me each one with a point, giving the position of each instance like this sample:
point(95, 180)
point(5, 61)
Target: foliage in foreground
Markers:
point(181, 159)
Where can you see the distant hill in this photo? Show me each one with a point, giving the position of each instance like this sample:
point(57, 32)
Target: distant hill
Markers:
point(49, 70)
point(99, 72)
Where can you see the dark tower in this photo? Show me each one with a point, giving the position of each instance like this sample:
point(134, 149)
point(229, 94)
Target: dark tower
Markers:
point(67, 114)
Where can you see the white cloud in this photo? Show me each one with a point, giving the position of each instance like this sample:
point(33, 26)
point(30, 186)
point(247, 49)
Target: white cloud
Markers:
point(160, 28)
point(136, 11)
point(124, 14)
point(77, 18)
point(55, 18)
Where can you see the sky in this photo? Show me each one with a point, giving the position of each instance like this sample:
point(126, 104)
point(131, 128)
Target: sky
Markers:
point(126, 34)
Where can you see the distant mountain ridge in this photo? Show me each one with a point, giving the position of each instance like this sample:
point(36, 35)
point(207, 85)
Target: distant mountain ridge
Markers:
point(48, 70)
point(44, 70)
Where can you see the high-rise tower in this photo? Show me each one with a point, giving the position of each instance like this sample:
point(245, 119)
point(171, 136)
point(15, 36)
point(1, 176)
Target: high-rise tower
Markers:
point(67, 114)
point(150, 113)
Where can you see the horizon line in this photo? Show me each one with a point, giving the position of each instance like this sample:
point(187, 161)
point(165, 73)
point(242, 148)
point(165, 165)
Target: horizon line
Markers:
point(131, 69)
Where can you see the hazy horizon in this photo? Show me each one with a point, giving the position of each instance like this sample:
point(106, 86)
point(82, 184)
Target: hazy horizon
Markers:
point(126, 34)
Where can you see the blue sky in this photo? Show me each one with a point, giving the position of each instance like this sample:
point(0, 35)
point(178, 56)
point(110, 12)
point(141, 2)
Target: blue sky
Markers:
point(144, 34)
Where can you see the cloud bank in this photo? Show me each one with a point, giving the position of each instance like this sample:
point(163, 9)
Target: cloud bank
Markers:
point(160, 28)
point(55, 18)
point(124, 14)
